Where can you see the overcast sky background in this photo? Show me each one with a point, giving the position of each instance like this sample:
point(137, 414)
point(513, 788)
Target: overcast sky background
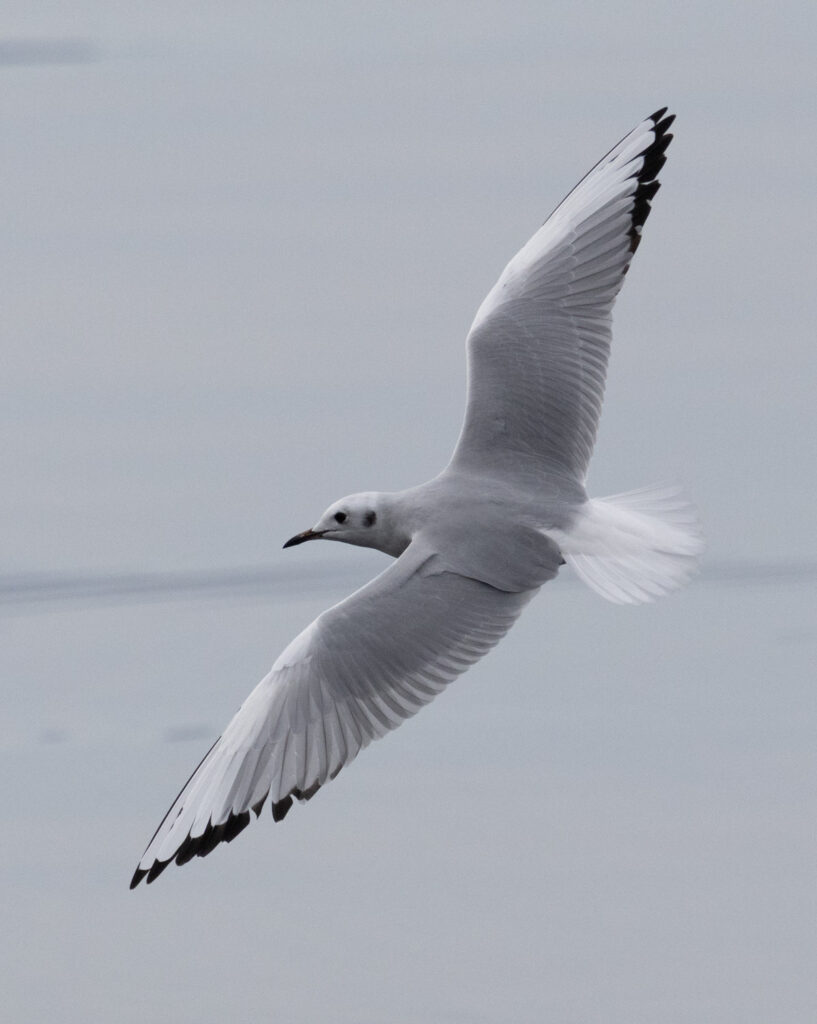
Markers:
point(242, 247)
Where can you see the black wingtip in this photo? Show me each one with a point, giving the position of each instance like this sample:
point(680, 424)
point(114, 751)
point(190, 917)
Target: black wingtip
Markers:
point(236, 825)
point(654, 154)
point(138, 875)
point(200, 846)
point(279, 809)
point(213, 835)
point(654, 158)
point(156, 870)
point(258, 807)
point(308, 793)
point(665, 125)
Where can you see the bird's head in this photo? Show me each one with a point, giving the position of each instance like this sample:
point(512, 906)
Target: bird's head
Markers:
point(356, 519)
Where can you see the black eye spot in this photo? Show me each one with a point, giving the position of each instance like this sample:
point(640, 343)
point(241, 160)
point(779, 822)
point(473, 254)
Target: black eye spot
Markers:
point(370, 519)
point(340, 517)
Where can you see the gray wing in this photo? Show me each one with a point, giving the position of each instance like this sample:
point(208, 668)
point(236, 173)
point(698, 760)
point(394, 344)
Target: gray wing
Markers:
point(538, 347)
point(360, 669)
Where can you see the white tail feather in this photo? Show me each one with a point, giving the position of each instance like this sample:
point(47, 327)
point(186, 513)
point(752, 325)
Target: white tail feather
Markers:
point(636, 546)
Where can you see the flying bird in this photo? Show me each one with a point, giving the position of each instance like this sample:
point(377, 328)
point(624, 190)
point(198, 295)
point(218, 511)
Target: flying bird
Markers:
point(473, 545)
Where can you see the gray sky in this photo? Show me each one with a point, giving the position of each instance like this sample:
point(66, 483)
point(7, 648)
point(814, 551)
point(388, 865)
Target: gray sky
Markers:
point(242, 246)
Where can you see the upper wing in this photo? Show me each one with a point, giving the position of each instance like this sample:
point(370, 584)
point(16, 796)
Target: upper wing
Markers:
point(538, 347)
point(356, 672)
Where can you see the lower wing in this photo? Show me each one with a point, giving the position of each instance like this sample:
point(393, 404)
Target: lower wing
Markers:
point(359, 670)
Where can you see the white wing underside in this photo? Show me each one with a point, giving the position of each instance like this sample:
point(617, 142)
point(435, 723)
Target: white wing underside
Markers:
point(539, 345)
point(359, 670)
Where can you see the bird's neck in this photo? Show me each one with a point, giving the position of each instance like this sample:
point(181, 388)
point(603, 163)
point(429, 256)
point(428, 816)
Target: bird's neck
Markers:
point(394, 529)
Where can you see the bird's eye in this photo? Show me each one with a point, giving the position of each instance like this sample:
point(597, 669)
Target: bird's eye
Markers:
point(340, 517)
point(369, 519)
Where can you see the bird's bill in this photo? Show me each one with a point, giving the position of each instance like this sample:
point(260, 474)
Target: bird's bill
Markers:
point(299, 538)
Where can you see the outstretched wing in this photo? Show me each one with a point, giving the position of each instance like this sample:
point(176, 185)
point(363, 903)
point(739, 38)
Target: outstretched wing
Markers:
point(359, 670)
point(538, 347)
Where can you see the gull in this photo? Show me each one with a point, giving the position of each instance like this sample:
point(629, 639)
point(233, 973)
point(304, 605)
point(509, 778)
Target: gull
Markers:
point(473, 545)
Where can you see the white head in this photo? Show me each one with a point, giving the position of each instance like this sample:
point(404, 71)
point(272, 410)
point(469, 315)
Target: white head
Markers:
point(361, 519)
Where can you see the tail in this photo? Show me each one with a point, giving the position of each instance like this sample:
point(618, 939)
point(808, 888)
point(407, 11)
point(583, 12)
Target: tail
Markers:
point(636, 546)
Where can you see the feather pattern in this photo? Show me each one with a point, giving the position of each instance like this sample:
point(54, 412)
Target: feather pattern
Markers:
point(358, 671)
point(540, 342)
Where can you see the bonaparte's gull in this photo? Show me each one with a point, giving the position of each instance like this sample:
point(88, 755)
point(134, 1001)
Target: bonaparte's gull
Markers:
point(473, 545)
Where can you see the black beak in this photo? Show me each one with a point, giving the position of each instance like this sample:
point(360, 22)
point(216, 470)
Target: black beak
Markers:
point(299, 538)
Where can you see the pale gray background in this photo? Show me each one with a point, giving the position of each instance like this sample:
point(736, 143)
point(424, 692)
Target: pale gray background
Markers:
point(241, 246)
